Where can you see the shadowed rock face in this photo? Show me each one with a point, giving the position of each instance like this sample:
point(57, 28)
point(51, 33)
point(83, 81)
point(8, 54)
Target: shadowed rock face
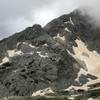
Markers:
point(38, 58)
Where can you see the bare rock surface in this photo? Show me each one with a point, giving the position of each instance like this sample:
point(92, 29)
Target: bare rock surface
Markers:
point(52, 56)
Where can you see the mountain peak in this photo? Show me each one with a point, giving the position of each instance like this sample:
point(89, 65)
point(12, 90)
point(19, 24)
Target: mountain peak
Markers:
point(58, 56)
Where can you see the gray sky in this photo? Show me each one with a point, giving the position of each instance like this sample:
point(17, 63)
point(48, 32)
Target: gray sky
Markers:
point(15, 15)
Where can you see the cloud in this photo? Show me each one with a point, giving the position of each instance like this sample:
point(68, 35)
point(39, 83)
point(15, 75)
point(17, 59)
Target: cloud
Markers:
point(15, 15)
point(57, 8)
point(90, 7)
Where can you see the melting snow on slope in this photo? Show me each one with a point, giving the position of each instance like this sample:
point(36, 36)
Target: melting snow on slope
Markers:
point(4, 60)
point(59, 37)
point(66, 29)
point(43, 92)
point(92, 61)
point(12, 53)
point(41, 55)
point(70, 21)
point(82, 71)
point(27, 44)
point(91, 58)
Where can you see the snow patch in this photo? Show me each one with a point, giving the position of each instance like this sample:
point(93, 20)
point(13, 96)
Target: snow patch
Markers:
point(92, 61)
point(45, 45)
point(41, 55)
point(43, 92)
point(12, 53)
point(4, 60)
point(84, 87)
point(70, 21)
point(25, 43)
point(66, 29)
point(59, 37)
point(82, 71)
point(32, 46)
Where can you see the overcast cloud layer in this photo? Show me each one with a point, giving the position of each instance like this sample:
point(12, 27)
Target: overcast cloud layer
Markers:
point(15, 15)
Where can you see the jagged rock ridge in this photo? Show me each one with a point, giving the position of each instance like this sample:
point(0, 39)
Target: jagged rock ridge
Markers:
point(38, 58)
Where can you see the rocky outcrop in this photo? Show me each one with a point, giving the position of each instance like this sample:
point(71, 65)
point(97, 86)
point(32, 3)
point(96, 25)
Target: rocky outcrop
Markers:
point(38, 58)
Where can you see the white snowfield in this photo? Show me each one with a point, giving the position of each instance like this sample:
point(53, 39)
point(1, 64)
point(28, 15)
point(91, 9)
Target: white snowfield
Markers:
point(91, 60)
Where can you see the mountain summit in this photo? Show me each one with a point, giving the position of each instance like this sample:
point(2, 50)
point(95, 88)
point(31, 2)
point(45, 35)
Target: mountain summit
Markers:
point(63, 54)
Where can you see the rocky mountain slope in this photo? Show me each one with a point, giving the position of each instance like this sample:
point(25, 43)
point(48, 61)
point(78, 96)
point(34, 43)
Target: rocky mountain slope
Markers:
point(61, 55)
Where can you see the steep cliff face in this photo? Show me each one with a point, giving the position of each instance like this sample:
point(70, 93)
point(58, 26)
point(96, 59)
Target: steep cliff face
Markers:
point(63, 54)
